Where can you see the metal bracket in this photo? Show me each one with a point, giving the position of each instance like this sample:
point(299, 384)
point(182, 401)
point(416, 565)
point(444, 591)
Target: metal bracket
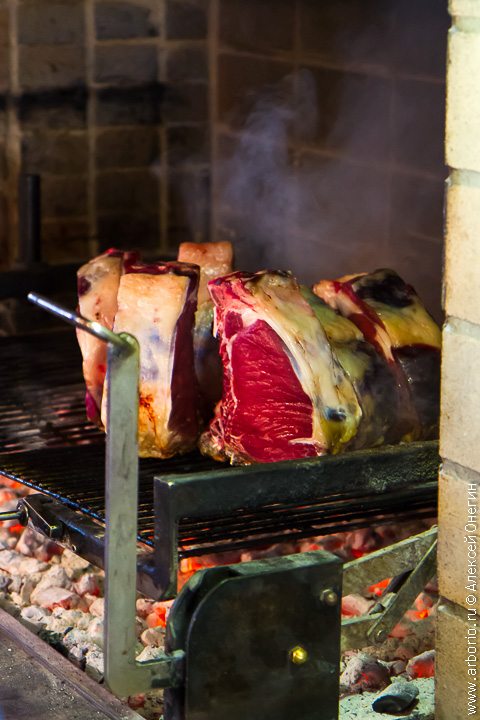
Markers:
point(123, 674)
point(413, 559)
point(282, 620)
point(79, 533)
point(36, 510)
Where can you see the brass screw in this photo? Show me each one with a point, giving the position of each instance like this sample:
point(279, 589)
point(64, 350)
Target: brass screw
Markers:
point(329, 596)
point(381, 635)
point(298, 655)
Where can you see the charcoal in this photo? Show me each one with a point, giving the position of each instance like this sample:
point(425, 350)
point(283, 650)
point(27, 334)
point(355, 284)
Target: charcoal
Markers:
point(10, 560)
point(52, 596)
point(31, 565)
point(397, 667)
point(97, 607)
point(34, 617)
point(94, 664)
point(150, 653)
point(364, 672)
point(95, 631)
point(77, 656)
point(56, 577)
point(73, 564)
point(153, 636)
point(88, 583)
point(16, 584)
point(422, 666)
point(396, 697)
point(29, 541)
point(354, 604)
point(144, 607)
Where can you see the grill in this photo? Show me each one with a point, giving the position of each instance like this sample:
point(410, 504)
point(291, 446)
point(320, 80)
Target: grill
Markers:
point(51, 447)
point(192, 506)
point(74, 477)
point(42, 393)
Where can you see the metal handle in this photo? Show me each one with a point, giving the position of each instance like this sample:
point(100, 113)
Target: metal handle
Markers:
point(13, 515)
point(90, 326)
point(20, 514)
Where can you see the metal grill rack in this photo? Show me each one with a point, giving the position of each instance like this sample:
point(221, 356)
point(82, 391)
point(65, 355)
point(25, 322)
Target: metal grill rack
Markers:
point(75, 477)
point(189, 506)
point(42, 395)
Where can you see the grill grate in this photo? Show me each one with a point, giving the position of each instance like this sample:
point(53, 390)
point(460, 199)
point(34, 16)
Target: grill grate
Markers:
point(74, 476)
point(48, 445)
point(42, 395)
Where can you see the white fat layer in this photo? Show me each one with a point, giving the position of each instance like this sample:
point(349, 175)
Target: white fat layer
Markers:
point(149, 307)
point(279, 303)
point(98, 303)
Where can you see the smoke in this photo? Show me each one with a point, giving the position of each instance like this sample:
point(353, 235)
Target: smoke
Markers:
point(322, 175)
point(290, 208)
point(258, 185)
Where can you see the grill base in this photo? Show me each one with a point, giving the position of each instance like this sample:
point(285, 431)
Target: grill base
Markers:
point(37, 682)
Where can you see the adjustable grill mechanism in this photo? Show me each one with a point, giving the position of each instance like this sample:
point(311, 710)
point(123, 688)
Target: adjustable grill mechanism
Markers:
point(235, 633)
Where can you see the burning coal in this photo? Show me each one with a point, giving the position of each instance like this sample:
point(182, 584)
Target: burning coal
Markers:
point(59, 596)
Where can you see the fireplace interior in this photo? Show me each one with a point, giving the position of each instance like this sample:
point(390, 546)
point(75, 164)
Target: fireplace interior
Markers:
point(311, 135)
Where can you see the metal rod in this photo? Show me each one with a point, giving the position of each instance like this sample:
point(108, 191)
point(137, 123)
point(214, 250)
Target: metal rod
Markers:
point(405, 597)
point(90, 326)
point(121, 519)
point(30, 250)
point(123, 674)
point(395, 559)
point(13, 515)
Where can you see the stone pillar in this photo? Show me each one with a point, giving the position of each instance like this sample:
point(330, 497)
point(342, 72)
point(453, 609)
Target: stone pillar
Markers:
point(458, 660)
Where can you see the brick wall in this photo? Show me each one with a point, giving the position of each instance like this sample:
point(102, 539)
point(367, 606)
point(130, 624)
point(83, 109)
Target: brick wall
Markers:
point(125, 107)
point(362, 189)
point(108, 101)
point(459, 432)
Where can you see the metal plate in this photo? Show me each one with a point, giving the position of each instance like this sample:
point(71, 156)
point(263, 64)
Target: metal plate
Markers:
point(240, 640)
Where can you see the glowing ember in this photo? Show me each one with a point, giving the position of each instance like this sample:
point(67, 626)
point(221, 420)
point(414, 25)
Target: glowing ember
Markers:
point(422, 666)
point(61, 595)
point(377, 589)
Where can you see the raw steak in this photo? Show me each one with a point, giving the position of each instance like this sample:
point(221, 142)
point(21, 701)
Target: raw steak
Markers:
point(392, 318)
point(214, 260)
point(97, 283)
point(285, 395)
point(156, 304)
point(370, 374)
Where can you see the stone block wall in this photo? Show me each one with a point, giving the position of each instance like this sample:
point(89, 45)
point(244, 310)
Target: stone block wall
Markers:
point(362, 186)
point(457, 664)
point(318, 125)
point(108, 101)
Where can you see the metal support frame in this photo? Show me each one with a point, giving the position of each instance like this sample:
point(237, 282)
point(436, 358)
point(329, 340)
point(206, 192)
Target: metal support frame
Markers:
point(124, 675)
point(219, 492)
point(412, 561)
point(198, 496)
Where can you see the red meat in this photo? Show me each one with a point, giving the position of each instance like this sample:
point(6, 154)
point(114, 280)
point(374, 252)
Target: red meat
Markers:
point(285, 395)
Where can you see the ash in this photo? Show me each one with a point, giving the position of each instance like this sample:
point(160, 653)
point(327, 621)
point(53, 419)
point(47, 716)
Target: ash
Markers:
point(59, 596)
